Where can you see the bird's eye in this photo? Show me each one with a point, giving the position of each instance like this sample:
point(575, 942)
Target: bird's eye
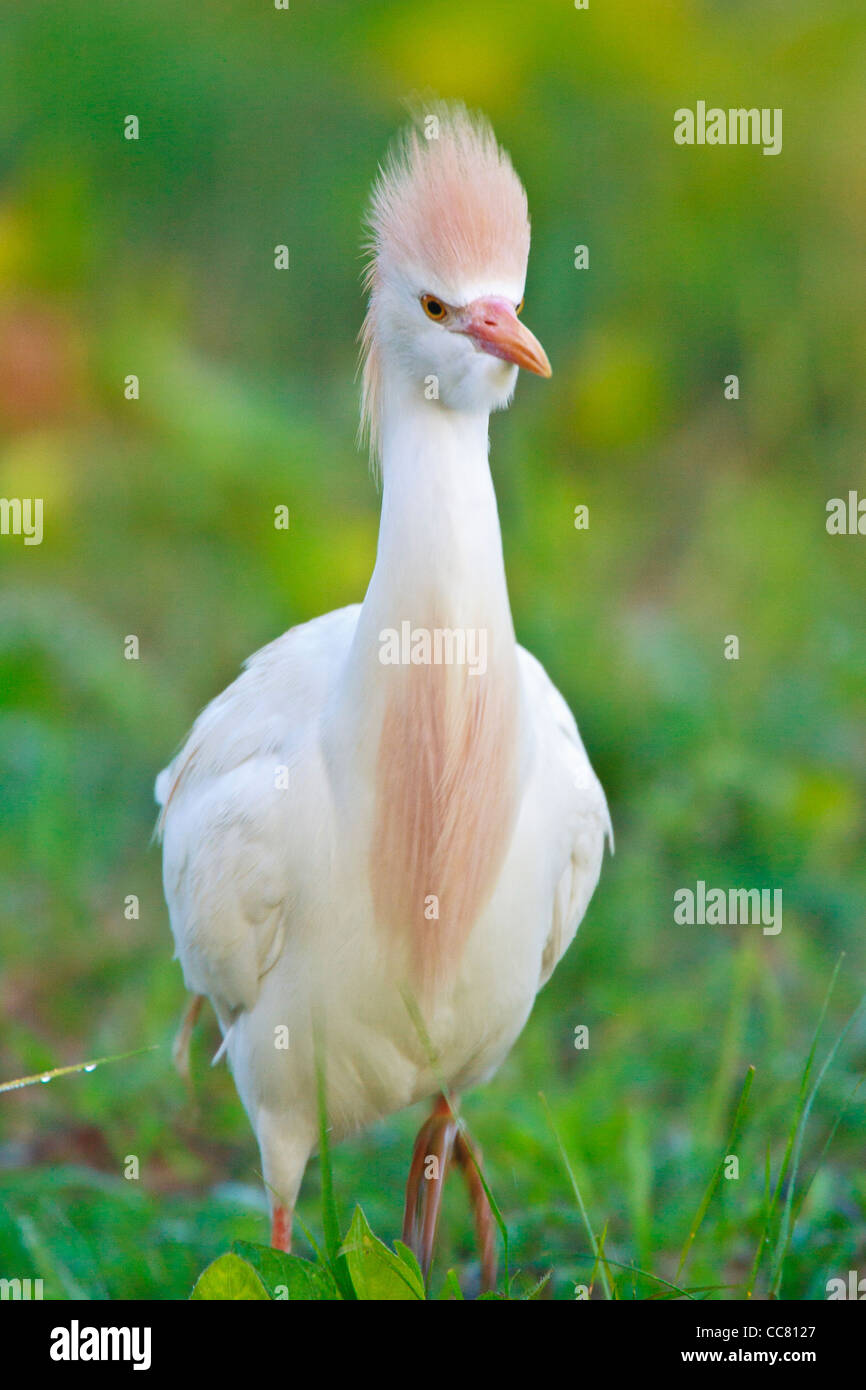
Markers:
point(519, 309)
point(433, 308)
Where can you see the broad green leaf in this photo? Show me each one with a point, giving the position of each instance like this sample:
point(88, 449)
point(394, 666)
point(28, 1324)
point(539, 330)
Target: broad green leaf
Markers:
point(408, 1257)
point(377, 1273)
point(230, 1278)
point(288, 1276)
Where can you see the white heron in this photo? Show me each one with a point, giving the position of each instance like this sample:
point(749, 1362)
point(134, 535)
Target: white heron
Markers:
point(376, 836)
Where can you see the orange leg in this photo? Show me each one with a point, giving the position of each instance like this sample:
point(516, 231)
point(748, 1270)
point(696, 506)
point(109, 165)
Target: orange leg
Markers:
point(485, 1234)
point(439, 1138)
point(281, 1227)
point(430, 1159)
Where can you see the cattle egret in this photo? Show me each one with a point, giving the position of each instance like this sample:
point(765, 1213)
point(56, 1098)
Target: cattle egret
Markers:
point(379, 841)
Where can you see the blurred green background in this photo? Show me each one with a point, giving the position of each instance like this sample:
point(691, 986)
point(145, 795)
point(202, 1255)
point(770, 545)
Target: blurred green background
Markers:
point(156, 257)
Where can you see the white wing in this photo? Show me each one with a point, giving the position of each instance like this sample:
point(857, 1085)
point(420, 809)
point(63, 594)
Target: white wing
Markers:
point(578, 802)
point(227, 825)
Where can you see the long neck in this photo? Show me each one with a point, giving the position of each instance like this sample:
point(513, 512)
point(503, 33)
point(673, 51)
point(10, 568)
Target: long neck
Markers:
point(439, 559)
point(433, 732)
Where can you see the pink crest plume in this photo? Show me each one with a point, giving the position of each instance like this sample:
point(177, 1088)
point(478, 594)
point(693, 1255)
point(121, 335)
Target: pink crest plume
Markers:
point(449, 204)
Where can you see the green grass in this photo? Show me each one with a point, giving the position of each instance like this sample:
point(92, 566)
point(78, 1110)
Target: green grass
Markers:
point(77, 1229)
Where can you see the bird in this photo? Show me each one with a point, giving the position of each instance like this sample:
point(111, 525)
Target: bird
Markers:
point(380, 839)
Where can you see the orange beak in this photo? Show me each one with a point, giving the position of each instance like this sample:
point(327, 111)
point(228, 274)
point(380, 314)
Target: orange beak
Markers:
point(495, 327)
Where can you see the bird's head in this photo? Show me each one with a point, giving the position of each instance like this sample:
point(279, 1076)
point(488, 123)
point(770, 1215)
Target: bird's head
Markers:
point(449, 242)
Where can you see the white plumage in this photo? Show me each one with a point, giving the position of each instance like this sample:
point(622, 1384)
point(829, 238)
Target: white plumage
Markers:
point(325, 802)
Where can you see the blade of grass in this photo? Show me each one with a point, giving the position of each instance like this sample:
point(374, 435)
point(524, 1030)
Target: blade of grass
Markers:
point(829, 1140)
point(76, 1066)
point(598, 1260)
point(731, 1049)
point(717, 1171)
point(764, 1240)
point(45, 1257)
point(768, 1206)
point(414, 1012)
point(786, 1228)
point(537, 1287)
point(578, 1198)
point(644, 1273)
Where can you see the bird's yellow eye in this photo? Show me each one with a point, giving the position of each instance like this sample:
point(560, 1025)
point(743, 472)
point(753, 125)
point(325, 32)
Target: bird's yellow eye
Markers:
point(519, 309)
point(433, 308)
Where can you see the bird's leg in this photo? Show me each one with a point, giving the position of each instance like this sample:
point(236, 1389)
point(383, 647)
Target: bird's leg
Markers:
point(430, 1160)
point(469, 1161)
point(281, 1226)
point(180, 1047)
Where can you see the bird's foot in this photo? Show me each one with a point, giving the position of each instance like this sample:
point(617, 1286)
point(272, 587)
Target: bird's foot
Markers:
point(439, 1139)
